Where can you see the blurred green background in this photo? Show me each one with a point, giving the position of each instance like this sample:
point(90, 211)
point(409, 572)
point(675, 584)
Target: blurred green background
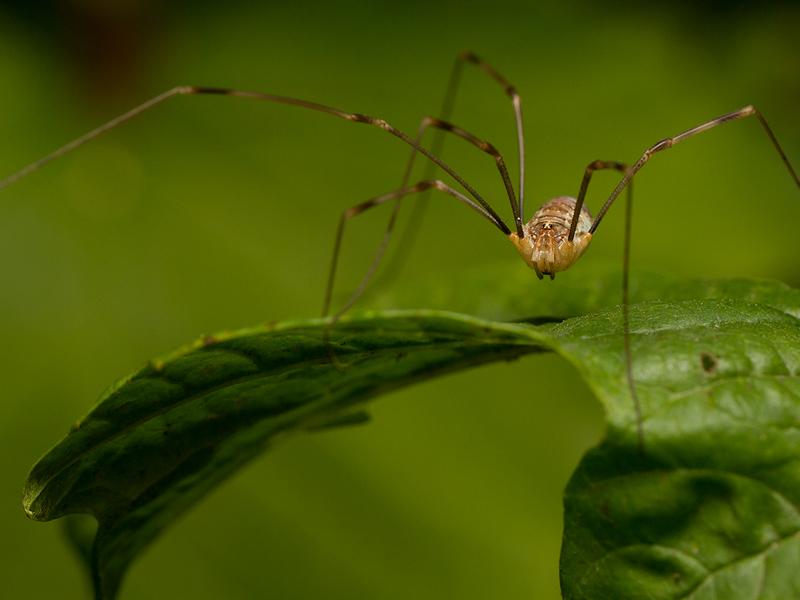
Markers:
point(215, 213)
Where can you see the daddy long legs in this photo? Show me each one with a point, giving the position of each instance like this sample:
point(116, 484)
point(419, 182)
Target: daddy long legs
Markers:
point(551, 241)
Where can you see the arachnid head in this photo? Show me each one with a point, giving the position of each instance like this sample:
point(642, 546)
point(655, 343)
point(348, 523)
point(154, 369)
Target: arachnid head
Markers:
point(546, 248)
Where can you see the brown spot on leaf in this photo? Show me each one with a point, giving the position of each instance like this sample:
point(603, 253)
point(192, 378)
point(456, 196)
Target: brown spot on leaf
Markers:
point(708, 362)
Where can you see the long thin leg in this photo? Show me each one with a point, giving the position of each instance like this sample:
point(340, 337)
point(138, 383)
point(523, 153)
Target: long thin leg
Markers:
point(371, 203)
point(626, 319)
point(482, 145)
point(94, 133)
point(447, 109)
point(627, 181)
point(444, 126)
point(598, 165)
point(195, 90)
point(516, 102)
point(747, 111)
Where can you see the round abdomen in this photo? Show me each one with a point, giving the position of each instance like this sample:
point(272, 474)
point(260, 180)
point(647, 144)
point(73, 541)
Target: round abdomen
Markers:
point(546, 247)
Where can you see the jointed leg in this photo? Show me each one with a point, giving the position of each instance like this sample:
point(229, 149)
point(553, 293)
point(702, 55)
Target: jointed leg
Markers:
point(747, 111)
point(447, 109)
point(94, 133)
point(373, 202)
point(482, 145)
point(443, 125)
point(195, 90)
point(516, 102)
point(598, 165)
point(626, 181)
point(479, 203)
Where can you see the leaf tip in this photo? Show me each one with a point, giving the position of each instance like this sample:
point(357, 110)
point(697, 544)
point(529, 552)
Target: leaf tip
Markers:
point(28, 512)
point(29, 497)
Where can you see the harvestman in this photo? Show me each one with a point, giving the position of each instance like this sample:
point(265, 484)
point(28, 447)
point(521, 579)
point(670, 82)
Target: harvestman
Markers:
point(551, 241)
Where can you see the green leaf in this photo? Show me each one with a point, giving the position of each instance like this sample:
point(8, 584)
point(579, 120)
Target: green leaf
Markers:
point(711, 509)
point(712, 499)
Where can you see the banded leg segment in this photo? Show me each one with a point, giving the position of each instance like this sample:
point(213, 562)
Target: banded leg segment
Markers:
point(482, 145)
point(599, 165)
point(198, 90)
point(747, 111)
point(443, 126)
point(627, 181)
point(593, 166)
point(446, 127)
point(516, 102)
point(371, 203)
point(467, 57)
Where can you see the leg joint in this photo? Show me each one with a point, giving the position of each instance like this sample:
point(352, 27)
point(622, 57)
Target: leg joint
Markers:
point(469, 56)
point(659, 146)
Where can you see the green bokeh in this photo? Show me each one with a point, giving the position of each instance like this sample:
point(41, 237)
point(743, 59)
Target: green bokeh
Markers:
point(214, 213)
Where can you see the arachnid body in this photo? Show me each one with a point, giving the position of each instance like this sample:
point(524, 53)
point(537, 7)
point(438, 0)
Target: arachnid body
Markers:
point(546, 247)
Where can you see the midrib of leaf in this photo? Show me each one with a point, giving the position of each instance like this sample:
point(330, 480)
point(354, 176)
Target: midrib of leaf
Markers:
point(524, 336)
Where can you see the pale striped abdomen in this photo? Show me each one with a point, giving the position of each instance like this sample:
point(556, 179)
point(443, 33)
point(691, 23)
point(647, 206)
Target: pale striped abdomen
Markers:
point(545, 247)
